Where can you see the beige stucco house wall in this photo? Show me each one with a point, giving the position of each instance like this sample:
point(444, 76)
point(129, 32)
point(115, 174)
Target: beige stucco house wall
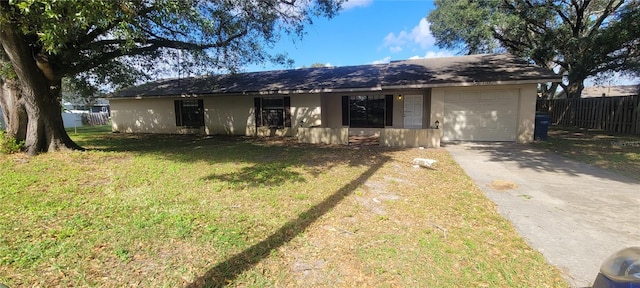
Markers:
point(234, 115)
point(224, 115)
point(228, 115)
point(149, 115)
point(526, 113)
point(523, 99)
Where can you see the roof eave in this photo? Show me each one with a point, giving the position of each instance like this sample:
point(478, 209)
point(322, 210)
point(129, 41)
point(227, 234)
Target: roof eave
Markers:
point(139, 97)
point(348, 90)
point(470, 84)
point(322, 90)
point(262, 93)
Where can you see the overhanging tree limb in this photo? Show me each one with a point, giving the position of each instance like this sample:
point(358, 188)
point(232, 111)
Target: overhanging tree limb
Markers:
point(586, 38)
point(101, 37)
point(149, 46)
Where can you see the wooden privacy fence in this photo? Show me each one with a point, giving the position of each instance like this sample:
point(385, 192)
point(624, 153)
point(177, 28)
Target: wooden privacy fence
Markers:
point(95, 118)
point(615, 114)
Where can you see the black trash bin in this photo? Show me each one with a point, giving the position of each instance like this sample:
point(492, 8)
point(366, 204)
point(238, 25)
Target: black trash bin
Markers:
point(543, 120)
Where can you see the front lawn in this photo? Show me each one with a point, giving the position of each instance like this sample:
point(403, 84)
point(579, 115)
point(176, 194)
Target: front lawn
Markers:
point(167, 211)
point(617, 152)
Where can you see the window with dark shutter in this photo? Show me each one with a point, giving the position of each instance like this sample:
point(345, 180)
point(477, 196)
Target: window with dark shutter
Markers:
point(273, 112)
point(388, 110)
point(345, 110)
point(189, 113)
point(257, 103)
point(178, 109)
point(287, 111)
point(201, 112)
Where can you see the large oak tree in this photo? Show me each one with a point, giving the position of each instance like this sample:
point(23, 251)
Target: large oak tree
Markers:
point(577, 38)
point(116, 42)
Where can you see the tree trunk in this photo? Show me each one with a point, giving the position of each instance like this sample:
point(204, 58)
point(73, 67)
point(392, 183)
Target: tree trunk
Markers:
point(549, 92)
point(40, 95)
point(13, 110)
point(45, 130)
point(574, 91)
point(575, 86)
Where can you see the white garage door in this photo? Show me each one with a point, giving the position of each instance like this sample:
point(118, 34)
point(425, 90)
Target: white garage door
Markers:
point(489, 115)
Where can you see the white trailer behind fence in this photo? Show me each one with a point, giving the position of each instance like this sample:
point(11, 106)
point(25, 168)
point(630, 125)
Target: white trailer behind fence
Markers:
point(71, 120)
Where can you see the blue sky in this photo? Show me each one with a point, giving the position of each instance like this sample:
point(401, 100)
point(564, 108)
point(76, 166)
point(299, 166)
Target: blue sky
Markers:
point(365, 32)
point(373, 31)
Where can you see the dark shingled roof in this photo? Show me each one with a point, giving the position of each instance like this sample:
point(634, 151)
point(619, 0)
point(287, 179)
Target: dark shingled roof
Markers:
point(421, 73)
point(464, 71)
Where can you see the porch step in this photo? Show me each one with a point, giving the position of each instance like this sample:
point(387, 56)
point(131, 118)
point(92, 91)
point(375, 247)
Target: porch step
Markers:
point(364, 140)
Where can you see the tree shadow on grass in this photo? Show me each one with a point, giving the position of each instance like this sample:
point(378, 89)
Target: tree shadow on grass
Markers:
point(255, 162)
point(225, 272)
point(149, 143)
point(261, 174)
point(270, 157)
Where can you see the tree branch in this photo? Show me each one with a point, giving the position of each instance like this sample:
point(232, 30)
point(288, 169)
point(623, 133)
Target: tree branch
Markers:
point(580, 8)
point(91, 35)
point(560, 13)
point(606, 13)
point(150, 45)
point(165, 27)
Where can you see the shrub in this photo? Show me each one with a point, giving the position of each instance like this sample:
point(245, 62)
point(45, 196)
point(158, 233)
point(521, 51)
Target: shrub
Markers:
point(9, 145)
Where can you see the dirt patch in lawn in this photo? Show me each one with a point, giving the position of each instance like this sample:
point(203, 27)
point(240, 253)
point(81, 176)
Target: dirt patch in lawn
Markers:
point(502, 185)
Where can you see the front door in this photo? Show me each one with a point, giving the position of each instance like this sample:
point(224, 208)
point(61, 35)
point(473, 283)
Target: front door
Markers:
point(413, 111)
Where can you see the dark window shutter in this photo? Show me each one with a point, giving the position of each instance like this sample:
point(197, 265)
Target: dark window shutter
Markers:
point(201, 111)
point(287, 111)
point(258, 111)
point(178, 107)
point(388, 110)
point(345, 110)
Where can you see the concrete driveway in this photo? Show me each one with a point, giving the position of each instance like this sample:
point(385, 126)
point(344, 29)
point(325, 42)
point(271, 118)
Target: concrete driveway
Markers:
point(575, 214)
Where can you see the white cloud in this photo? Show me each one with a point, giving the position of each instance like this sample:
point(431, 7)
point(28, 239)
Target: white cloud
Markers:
point(433, 54)
point(328, 64)
point(395, 49)
point(391, 40)
point(350, 4)
point(420, 35)
point(382, 61)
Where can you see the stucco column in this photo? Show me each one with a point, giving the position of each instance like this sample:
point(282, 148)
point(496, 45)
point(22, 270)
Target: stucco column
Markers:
point(437, 110)
point(526, 113)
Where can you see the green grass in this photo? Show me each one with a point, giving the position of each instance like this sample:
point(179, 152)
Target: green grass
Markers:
point(167, 211)
point(617, 152)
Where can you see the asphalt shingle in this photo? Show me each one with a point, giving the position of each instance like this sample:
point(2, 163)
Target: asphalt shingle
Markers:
point(420, 73)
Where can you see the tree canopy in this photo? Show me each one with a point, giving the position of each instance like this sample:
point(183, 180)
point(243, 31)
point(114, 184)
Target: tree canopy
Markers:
point(118, 42)
point(577, 38)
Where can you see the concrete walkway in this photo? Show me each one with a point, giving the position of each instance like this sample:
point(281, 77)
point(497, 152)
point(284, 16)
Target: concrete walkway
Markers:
point(575, 214)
